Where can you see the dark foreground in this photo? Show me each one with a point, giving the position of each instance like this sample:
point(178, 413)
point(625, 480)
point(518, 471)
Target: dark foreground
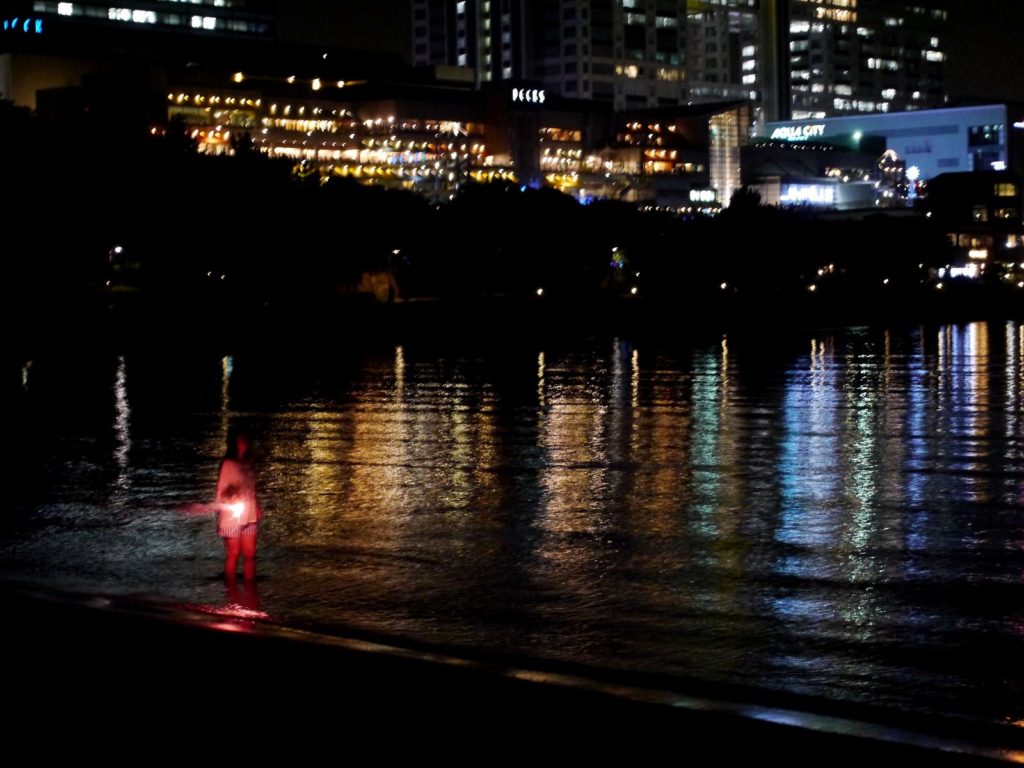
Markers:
point(104, 678)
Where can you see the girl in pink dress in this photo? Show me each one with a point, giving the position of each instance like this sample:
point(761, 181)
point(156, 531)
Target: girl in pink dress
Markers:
point(239, 510)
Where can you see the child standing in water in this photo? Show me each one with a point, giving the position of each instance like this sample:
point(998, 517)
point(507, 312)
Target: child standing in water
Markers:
point(239, 510)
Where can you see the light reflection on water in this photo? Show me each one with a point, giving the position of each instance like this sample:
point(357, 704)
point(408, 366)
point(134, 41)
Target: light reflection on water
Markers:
point(841, 516)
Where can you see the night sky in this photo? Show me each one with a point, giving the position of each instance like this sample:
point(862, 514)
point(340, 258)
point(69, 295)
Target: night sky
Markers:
point(986, 55)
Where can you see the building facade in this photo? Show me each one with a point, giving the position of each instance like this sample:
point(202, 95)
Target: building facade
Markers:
point(808, 58)
point(866, 56)
point(235, 18)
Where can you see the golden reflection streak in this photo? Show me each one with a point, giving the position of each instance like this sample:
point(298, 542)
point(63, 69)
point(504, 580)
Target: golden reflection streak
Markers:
point(540, 379)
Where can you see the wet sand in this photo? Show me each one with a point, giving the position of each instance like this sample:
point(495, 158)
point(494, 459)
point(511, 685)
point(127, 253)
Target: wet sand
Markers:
point(111, 672)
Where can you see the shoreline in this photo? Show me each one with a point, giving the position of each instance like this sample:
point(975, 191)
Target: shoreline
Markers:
point(154, 654)
point(199, 323)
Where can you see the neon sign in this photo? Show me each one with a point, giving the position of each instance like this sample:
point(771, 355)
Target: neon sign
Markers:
point(529, 95)
point(26, 26)
point(810, 194)
point(799, 132)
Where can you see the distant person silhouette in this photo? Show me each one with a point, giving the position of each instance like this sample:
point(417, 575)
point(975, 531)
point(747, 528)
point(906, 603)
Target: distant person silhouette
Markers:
point(239, 510)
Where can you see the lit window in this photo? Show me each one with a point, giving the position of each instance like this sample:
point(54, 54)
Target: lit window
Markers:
point(749, 79)
point(889, 93)
point(1006, 213)
point(462, 59)
point(844, 90)
point(204, 22)
point(666, 22)
point(65, 9)
point(748, 65)
point(934, 56)
point(979, 213)
point(749, 50)
point(935, 42)
point(1006, 189)
point(460, 8)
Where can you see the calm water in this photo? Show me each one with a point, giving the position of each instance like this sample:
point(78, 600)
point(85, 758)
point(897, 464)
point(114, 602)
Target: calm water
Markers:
point(840, 514)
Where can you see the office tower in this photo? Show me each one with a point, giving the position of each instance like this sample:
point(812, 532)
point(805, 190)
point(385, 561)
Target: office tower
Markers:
point(866, 55)
point(486, 36)
point(811, 57)
point(630, 52)
point(235, 18)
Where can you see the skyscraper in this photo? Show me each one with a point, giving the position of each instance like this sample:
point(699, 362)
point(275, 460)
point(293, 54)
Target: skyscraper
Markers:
point(238, 18)
point(811, 57)
point(630, 52)
point(487, 36)
point(866, 55)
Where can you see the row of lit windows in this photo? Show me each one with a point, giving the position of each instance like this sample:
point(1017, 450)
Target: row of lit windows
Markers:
point(147, 17)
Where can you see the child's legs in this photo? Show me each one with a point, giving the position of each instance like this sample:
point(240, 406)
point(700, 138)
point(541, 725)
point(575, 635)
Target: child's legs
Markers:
point(232, 547)
point(248, 544)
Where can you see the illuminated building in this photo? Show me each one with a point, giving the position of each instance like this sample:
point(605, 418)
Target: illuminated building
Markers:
point(982, 216)
point(434, 138)
point(628, 52)
point(808, 58)
point(239, 18)
point(487, 37)
point(866, 55)
point(831, 161)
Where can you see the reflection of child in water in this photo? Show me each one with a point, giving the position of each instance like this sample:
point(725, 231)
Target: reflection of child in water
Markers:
point(238, 509)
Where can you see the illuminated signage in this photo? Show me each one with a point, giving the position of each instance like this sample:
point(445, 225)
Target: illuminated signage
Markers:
point(808, 194)
point(969, 271)
point(799, 132)
point(702, 195)
point(529, 95)
point(28, 26)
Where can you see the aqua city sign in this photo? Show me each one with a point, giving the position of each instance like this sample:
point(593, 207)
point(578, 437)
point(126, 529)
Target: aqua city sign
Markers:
point(529, 95)
point(799, 132)
point(27, 26)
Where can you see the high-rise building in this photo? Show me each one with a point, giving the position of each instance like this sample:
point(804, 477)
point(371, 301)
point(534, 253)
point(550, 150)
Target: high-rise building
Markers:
point(237, 18)
point(866, 55)
point(805, 57)
point(629, 52)
point(487, 36)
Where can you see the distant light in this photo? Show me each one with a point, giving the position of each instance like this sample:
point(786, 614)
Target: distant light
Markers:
point(65, 9)
point(970, 271)
point(928, 215)
point(978, 253)
point(913, 173)
point(1019, 126)
point(341, 83)
point(325, 57)
point(118, 249)
point(938, 286)
point(1020, 284)
point(633, 290)
point(812, 288)
point(540, 291)
point(886, 281)
point(858, 135)
point(998, 165)
point(291, 79)
point(238, 77)
point(316, 83)
point(723, 286)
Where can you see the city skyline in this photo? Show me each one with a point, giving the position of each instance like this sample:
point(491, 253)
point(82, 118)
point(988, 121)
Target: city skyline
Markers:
point(983, 55)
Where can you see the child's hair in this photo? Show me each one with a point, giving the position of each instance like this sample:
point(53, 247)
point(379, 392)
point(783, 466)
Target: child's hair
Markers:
point(231, 493)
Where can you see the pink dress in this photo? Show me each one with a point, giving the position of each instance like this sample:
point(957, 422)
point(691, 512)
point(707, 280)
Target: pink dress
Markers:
point(244, 516)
